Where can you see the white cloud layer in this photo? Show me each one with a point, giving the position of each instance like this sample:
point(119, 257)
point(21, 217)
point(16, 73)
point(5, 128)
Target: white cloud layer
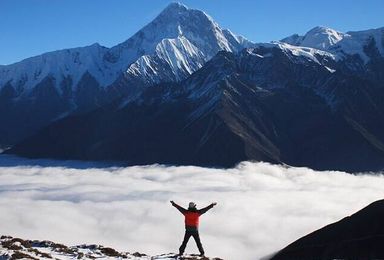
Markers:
point(261, 207)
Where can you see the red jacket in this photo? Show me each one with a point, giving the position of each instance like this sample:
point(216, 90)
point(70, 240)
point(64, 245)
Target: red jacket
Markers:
point(192, 215)
point(191, 218)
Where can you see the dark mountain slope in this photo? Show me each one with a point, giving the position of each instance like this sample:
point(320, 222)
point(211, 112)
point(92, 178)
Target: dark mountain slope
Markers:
point(139, 134)
point(360, 236)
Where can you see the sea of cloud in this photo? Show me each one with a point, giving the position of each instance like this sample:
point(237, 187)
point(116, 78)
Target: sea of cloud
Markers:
point(261, 207)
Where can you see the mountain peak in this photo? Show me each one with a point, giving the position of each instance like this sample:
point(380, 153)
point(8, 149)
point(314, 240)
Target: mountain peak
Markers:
point(175, 20)
point(176, 6)
point(321, 28)
point(183, 37)
point(177, 13)
point(319, 37)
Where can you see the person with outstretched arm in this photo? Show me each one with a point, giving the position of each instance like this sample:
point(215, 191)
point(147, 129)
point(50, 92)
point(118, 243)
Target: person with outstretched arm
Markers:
point(191, 219)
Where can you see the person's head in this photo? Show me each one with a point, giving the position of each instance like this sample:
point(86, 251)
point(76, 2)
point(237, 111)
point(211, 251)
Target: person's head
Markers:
point(192, 205)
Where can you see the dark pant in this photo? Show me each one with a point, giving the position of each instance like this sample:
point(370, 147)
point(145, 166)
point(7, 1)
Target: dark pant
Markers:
point(188, 234)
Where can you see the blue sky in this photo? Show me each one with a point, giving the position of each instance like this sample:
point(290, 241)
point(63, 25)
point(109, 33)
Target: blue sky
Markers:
point(32, 27)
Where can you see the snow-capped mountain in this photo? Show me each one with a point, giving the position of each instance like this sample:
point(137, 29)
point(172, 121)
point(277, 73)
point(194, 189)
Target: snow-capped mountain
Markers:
point(188, 39)
point(318, 38)
point(341, 44)
point(171, 47)
point(182, 38)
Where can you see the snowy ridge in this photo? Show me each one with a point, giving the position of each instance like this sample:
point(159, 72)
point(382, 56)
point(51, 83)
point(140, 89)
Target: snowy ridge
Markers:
point(179, 54)
point(175, 52)
point(59, 65)
point(339, 44)
point(354, 43)
point(296, 51)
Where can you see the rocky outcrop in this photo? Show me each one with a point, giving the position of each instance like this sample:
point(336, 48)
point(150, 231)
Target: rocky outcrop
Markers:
point(17, 248)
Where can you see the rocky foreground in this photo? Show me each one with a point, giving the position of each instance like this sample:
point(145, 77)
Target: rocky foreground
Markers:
point(17, 248)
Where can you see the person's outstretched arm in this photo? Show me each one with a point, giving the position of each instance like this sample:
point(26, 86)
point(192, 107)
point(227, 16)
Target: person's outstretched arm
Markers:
point(203, 210)
point(181, 209)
